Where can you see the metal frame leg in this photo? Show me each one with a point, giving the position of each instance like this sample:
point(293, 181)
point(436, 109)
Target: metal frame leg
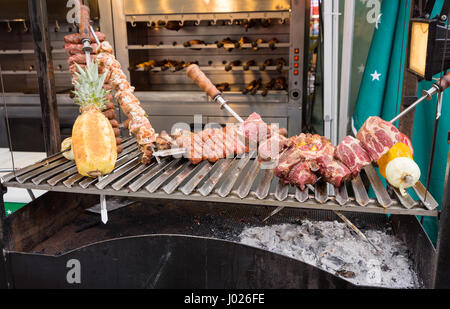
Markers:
point(442, 271)
point(3, 270)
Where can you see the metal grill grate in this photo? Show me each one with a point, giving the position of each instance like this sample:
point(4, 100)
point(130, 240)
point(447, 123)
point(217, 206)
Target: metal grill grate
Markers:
point(238, 180)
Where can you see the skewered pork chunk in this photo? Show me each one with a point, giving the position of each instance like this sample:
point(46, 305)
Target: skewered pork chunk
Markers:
point(352, 154)
point(75, 38)
point(378, 136)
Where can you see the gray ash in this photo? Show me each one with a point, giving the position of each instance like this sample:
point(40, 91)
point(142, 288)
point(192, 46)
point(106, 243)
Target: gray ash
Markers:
point(331, 246)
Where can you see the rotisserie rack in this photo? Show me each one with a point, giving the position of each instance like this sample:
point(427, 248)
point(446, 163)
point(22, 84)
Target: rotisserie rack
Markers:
point(238, 180)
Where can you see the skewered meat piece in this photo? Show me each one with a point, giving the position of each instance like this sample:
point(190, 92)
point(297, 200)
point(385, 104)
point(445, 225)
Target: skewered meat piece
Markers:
point(227, 41)
point(280, 63)
point(193, 42)
point(267, 63)
point(223, 87)
point(268, 86)
point(270, 149)
point(164, 141)
point(332, 170)
point(272, 43)
point(73, 49)
point(193, 146)
point(257, 86)
point(254, 129)
point(237, 140)
point(265, 23)
point(75, 38)
point(280, 84)
point(378, 136)
point(248, 23)
point(232, 64)
point(255, 45)
point(139, 123)
point(249, 87)
point(248, 64)
point(301, 175)
point(147, 65)
point(79, 58)
point(173, 25)
point(243, 40)
point(305, 147)
point(352, 154)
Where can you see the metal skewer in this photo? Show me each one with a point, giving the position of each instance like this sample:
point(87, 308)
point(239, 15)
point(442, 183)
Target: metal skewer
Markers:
point(194, 72)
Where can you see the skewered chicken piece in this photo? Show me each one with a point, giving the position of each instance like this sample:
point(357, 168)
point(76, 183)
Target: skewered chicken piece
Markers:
point(280, 63)
point(227, 41)
point(147, 65)
point(249, 64)
point(267, 63)
point(249, 87)
point(232, 64)
point(193, 42)
point(255, 45)
point(173, 25)
point(266, 22)
point(138, 121)
point(268, 87)
point(243, 40)
point(75, 38)
point(223, 87)
point(248, 23)
point(272, 43)
point(257, 86)
point(280, 84)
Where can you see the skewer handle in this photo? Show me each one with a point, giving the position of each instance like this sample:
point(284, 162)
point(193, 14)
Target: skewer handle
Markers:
point(444, 82)
point(194, 72)
point(84, 22)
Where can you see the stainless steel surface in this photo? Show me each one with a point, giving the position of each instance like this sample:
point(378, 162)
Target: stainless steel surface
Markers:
point(341, 195)
point(247, 182)
point(361, 196)
point(253, 185)
point(232, 176)
point(212, 181)
point(263, 187)
point(378, 187)
point(430, 202)
point(411, 107)
point(198, 175)
point(406, 200)
point(281, 191)
point(155, 170)
point(321, 192)
point(172, 169)
point(164, 7)
point(224, 104)
point(187, 169)
point(301, 195)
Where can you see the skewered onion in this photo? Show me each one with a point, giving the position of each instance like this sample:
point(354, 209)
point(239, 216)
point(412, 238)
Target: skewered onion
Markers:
point(402, 173)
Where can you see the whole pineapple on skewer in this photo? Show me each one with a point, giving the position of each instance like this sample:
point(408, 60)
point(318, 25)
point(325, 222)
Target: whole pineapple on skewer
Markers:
point(93, 140)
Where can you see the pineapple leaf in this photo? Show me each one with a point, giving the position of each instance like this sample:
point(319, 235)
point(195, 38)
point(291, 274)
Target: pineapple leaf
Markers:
point(89, 91)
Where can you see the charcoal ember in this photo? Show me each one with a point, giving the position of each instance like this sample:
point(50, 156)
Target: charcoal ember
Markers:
point(331, 246)
point(346, 273)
